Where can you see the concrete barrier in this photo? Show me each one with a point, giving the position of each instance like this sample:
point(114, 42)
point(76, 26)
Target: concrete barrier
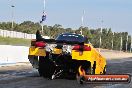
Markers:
point(13, 54)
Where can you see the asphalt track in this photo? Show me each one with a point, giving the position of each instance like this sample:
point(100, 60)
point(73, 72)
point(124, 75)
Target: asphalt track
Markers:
point(26, 77)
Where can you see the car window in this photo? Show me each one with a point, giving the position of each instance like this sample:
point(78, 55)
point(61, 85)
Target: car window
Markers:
point(70, 37)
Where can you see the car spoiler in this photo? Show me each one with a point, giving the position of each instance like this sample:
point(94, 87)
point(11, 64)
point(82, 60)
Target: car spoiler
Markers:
point(53, 41)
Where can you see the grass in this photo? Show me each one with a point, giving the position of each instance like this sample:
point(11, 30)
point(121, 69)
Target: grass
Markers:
point(14, 41)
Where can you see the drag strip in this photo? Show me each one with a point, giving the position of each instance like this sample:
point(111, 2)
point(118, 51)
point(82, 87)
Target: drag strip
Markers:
point(25, 76)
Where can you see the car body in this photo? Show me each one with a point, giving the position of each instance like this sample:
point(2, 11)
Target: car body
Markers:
point(68, 53)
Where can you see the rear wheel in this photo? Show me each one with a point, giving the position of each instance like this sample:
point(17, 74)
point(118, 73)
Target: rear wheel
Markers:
point(88, 69)
point(80, 79)
point(41, 66)
point(86, 66)
point(46, 67)
point(104, 71)
point(34, 61)
point(93, 68)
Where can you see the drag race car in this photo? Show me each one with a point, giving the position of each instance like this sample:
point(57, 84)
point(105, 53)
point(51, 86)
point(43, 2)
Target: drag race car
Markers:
point(68, 53)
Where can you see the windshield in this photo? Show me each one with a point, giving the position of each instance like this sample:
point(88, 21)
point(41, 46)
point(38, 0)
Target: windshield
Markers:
point(70, 37)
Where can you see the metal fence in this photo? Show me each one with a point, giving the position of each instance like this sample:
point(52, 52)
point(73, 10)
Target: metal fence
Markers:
point(14, 34)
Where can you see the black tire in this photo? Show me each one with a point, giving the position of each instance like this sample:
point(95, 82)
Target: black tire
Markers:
point(88, 69)
point(93, 68)
point(104, 71)
point(46, 67)
point(80, 79)
point(34, 61)
point(41, 66)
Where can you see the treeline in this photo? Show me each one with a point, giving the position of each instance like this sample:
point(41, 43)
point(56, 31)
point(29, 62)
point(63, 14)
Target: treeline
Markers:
point(92, 34)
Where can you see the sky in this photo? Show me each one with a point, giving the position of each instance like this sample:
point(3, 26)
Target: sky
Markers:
point(116, 14)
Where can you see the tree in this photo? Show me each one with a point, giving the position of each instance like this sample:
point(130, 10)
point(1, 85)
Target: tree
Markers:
point(93, 35)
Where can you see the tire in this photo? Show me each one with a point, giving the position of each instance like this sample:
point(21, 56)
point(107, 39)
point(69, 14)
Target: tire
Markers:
point(34, 61)
point(46, 67)
point(88, 69)
point(93, 68)
point(104, 71)
point(41, 66)
point(86, 66)
point(80, 79)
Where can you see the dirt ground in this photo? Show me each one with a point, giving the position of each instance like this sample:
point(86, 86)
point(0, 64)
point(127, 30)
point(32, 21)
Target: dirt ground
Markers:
point(111, 54)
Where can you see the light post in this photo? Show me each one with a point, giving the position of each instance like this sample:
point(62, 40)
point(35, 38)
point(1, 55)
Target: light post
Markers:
point(112, 40)
point(126, 42)
point(82, 21)
point(43, 17)
point(121, 44)
point(100, 40)
point(131, 45)
point(12, 15)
